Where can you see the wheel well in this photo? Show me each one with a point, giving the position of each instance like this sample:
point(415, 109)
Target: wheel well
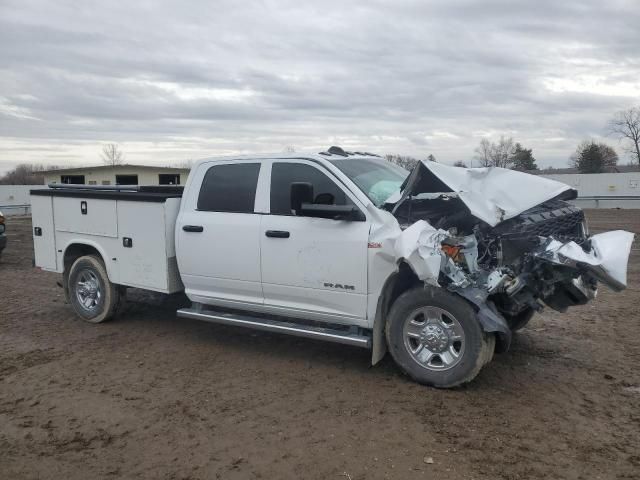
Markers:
point(77, 250)
point(404, 280)
point(401, 281)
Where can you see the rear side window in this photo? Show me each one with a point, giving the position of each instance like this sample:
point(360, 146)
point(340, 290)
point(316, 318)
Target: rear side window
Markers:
point(325, 191)
point(229, 188)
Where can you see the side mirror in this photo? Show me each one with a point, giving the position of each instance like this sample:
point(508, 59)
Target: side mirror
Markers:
point(349, 213)
point(324, 199)
point(301, 192)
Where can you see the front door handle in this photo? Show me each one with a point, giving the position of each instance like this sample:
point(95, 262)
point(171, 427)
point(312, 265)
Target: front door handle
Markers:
point(192, 228)
point(277, 234)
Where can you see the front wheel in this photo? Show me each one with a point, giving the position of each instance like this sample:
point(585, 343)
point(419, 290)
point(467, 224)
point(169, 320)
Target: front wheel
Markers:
point(93, 297)
point(436, 339)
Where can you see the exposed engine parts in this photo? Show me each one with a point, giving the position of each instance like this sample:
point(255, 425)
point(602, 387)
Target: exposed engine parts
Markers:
point(504, 261)
point(509, 267)
point(508, 242)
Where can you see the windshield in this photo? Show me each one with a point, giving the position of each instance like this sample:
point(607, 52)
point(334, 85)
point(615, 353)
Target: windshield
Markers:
point(377, 178)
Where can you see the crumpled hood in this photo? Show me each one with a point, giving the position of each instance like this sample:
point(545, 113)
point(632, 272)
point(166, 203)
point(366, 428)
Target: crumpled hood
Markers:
point(492, 194)
point(542, 265)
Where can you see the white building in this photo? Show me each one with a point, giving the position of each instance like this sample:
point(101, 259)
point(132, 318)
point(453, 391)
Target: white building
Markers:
point(118, 175)
point(603, 190)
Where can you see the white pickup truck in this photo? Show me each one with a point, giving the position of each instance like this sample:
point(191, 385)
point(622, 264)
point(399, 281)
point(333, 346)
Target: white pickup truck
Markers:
point(439, 266)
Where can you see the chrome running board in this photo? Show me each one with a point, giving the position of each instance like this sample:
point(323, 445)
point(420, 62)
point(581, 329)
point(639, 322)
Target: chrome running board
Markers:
point(346, 337)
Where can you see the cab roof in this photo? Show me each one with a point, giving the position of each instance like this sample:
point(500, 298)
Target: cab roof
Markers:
point(332, 153)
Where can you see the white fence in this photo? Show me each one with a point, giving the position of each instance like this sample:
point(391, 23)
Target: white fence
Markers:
point(603, 190)
point(14, 199)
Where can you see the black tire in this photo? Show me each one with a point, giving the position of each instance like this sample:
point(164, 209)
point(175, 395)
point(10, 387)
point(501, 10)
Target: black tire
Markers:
point(519, 321)
point(103, 297)
point(475, 349)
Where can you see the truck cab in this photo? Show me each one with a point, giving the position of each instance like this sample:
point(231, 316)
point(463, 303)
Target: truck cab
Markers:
point(286, 236)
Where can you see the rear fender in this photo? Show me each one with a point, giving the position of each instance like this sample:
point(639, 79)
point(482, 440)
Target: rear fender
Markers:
point(112, 271)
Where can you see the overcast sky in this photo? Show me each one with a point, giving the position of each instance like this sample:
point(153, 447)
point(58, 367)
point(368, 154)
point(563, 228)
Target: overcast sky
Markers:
point(172, 81)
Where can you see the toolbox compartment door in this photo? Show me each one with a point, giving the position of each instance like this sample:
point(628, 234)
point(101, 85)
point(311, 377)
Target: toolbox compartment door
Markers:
point(142, 250)
point(87, 215)
point(44, 244)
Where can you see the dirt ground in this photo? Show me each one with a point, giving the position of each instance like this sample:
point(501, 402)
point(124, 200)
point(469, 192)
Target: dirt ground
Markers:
point(152, 396)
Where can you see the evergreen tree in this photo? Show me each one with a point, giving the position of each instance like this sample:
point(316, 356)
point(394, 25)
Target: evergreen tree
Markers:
point(523, 159)
point(592, 157)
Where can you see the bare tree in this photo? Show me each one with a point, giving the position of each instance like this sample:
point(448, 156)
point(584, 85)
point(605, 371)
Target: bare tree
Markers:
point(626, 126)
point(483, 153)
point(112, 155)
point(503, 152)
point(289, 149)
point(408, 163)
point(498, 154)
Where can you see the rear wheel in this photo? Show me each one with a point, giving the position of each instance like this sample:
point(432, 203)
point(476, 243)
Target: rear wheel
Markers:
point(93, 297)
point(436, 339)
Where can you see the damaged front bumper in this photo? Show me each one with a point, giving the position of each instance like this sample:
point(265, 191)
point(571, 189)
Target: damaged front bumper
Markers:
point(606, 261)
point(553, 274)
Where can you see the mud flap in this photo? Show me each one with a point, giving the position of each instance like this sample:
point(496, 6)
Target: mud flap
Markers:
point(379, 349)
point(379, 345)
point(490, 319)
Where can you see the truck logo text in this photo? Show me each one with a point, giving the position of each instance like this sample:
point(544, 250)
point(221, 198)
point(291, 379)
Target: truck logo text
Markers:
point(339, 285)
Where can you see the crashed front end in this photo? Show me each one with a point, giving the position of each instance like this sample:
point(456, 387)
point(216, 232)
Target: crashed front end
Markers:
point(508, 242)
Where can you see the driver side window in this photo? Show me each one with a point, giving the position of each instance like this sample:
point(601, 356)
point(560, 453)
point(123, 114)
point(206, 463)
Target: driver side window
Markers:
point(325, 191)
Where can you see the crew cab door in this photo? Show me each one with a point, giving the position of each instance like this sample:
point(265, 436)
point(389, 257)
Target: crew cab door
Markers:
point(218, 235)
point(314, 268)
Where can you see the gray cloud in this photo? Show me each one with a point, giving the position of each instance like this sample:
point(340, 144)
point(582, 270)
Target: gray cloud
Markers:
point(171, 81)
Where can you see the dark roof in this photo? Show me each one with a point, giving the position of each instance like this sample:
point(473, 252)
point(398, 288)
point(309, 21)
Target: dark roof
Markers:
point(107, 167)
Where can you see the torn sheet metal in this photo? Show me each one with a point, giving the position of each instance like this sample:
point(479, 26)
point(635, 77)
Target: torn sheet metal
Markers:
point(489, 318)
point(492, 194)
point(504, 271)
point(420, 246)
point(607, 260)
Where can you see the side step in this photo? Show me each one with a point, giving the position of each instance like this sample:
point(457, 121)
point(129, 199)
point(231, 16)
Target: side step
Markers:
point(345, 337)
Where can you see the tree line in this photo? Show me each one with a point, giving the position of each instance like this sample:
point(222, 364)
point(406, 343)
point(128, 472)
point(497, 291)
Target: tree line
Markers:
point(590, 156)
point(503, 153)
point(31, 173)
point(26, 174)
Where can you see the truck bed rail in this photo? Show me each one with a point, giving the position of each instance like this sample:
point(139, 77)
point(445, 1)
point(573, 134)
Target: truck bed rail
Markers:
point(119, 188)
point(136, 193)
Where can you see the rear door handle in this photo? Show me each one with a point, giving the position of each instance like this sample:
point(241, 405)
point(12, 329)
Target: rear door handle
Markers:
point(192, 228)
point(277, 234)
